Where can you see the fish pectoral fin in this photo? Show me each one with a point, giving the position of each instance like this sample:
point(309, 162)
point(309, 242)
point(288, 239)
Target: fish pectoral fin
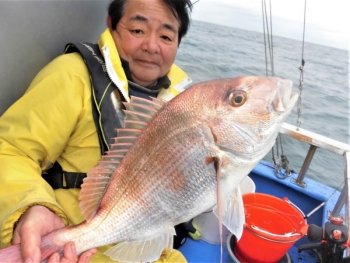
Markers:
point(233, 214)
point(221, 162)
point(146, 250)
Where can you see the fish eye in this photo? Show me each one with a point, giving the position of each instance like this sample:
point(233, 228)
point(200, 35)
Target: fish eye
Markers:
point(238, 98)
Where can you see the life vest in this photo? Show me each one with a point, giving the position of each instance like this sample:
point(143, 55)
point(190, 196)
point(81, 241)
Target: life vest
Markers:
point(106, 115)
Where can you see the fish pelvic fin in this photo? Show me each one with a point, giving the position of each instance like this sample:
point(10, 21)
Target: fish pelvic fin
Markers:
point(233, 213)
point(138, 114)
point(145, 250)
point(229, 207)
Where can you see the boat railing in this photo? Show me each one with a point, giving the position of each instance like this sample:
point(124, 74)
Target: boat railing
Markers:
point(318, 141)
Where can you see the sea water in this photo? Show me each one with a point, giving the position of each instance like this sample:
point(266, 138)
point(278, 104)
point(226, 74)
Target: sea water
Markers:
point(211, 51)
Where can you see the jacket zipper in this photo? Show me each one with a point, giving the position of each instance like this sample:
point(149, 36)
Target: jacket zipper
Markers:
point(112, 74)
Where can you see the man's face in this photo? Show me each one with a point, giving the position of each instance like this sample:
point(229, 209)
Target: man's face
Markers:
point(147, 37)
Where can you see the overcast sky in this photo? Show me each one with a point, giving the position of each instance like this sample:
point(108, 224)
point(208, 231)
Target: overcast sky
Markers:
point(327, 21)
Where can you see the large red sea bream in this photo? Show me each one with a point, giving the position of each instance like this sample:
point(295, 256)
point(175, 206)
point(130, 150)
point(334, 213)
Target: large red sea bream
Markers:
point(173, 161)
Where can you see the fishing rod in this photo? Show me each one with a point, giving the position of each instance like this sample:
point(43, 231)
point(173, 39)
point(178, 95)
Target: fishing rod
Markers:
point(332, 240)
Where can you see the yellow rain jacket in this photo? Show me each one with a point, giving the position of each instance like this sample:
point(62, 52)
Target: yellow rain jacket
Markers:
point(53, 122)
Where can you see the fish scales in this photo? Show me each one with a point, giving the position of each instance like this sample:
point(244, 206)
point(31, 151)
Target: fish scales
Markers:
point(145, 166)
point(191, 156)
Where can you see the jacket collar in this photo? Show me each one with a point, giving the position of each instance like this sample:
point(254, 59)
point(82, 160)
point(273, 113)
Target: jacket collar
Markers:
point(113, 63)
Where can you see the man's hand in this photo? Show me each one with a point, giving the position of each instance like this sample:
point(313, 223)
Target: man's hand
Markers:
point(36, 222)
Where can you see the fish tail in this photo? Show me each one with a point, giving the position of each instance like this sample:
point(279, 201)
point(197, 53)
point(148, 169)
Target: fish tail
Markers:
point(12, 254)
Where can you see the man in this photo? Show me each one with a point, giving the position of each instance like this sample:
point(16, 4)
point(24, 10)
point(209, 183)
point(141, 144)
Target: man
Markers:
point(53, 123)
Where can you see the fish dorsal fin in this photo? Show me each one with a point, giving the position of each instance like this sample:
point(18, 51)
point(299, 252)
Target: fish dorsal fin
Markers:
point(144, 106)
point(138, 113)
point(145, 250)
point(92, 190)
point(128, 132)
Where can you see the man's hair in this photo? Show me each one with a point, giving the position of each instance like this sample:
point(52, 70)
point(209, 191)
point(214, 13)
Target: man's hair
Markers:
point(180, 8)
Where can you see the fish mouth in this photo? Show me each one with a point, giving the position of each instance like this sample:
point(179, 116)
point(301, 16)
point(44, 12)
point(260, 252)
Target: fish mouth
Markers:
point(284, 99)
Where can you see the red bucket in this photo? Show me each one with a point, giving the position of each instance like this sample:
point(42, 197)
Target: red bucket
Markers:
point(273, 225)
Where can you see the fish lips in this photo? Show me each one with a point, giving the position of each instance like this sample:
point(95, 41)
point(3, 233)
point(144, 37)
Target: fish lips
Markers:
point(284, 99)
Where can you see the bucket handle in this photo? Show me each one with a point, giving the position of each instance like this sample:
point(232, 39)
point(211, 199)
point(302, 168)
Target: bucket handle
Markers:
point(289, 202)
point(286, 235)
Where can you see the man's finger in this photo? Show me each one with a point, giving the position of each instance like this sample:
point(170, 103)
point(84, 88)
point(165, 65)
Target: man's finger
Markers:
point(30, 244)
point(86, 256)
point(69, 253)
point(16, 238)
point(54, 258)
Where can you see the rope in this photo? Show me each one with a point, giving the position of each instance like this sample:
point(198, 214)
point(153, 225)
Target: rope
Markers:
point(281, 166)
point(301, 78)
point(266, 67)
point(269, 37)
point(272, 59)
